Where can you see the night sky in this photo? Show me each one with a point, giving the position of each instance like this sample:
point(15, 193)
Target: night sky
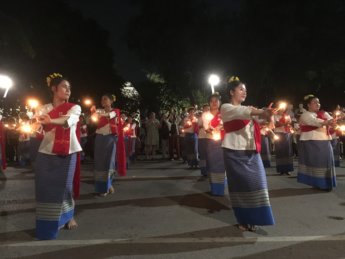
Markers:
point(114, 16)
point(281, 50)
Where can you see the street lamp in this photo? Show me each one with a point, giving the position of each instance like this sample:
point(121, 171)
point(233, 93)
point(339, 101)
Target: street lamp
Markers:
point(5, 83)
point(213, 80)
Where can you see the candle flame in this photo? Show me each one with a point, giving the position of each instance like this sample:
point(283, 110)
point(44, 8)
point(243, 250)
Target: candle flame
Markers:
point(209, 116)
point(282, 106)
point(26, 128)
point(94, 117)
point(87, 102)
point(216, 135)
point(33, 103)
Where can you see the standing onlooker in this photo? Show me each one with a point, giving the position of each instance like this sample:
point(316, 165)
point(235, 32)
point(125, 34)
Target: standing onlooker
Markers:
point(174, 143)
point(165, 134)
point(152, 136)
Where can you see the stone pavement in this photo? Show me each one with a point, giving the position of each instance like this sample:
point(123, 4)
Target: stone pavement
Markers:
point(161, 209)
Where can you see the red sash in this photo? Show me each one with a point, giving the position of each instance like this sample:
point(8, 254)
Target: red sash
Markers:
point(62, 141)
point(120, 147)
point(282, 120)
point(235, 125)
point(62, 135)
point(129, 131)
point(112, 123)
point(3, 146)
point(215, 122)
point(195, 124)
point(320, 115)
point(76, 178)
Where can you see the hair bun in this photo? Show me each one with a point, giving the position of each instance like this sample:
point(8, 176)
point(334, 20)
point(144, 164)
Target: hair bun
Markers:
point(308, 96)
point(233, 79)
point(51, 77)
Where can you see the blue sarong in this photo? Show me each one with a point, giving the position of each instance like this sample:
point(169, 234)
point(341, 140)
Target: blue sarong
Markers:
point(34, 146)
point(316, 164)
point(54, 193)
point(336, 151)
point(265, 151)
point(24, 153)
point(248, 187)
point(202, 144)
point(105, 157)
point(284, 153)
point(216, 169)
point(191, 146)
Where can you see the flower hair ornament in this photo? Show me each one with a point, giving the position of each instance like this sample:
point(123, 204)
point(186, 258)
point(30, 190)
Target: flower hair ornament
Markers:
point(51, 77)
point(308, 96)
point(233, 78)
point(113, 96)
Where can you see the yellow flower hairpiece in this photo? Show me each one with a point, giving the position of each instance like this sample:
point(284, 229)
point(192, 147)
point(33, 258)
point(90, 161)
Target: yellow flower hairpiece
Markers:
point(234, 78)
point(114, 97)
point(308, 96)
point(52, 76)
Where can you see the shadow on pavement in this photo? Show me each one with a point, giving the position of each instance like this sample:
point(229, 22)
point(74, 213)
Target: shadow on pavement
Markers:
point(133, 248)
point(286, 192)
point(23, 235)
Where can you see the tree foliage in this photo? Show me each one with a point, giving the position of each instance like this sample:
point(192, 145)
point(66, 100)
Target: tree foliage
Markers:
point(282, 49)
point(42, 37)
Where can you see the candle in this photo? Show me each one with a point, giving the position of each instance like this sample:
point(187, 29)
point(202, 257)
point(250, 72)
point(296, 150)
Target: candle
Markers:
point(216, 135)
point(94, 117)
point(209, 116)
point(32, 103)
point(282, 106)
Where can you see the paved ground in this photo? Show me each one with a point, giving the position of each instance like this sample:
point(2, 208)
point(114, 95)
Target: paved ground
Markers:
point(163, 210)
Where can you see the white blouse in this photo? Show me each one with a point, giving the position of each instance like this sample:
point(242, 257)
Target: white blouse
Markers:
point(105, 130)
point(71, 122)
point(202, 122)
point(310, 119)
point(242, 139)
point(282, 128)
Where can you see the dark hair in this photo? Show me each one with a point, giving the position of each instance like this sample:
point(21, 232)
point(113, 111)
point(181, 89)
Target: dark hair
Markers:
point(214, 95)
point(308, 98)
point(191, 109)
point(233, 84)
point(57, 81)
point(110, 96)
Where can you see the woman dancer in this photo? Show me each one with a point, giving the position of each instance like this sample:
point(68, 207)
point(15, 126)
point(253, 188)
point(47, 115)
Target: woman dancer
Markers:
point(57, 161)
point(246, 175)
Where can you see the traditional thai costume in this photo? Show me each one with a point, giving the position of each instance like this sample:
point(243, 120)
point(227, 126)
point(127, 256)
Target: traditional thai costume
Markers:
point(315, 155)
point(214, 154)
point(265, 146)
point(246, 175)
point(283, 146)
point(57, 170)
point(191, 141)
point(109, 138)
point(202, 144)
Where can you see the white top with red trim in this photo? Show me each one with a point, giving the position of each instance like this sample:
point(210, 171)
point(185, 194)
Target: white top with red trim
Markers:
point(310, 119)
point(49, 137)
point(105, 130)
point(242, 139)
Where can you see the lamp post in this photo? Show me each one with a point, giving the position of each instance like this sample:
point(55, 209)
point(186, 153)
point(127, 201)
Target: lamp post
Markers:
point(213, 80)
point(5, 83)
